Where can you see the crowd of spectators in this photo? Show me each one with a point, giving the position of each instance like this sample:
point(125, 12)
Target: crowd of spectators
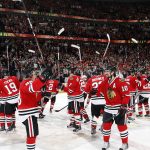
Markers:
point(85, 8)
point(123, 56)
point(50, 26)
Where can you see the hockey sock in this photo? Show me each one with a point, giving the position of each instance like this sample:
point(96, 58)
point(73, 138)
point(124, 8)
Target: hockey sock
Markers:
point(14, 118)
point(106, 131)
point(9, 120)
point(30, 143)
point(2, 119)
point(123, 133)
point(146, 105)
point(140, 109)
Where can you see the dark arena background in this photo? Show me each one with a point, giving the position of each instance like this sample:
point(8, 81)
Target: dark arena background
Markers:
point(85, 38)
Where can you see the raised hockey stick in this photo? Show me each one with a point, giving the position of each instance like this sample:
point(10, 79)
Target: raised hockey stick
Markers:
point(31, 27)
point(107, 46)
point(58, 110)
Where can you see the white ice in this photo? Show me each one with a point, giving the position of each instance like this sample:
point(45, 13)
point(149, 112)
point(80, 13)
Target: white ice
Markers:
point(55, 136)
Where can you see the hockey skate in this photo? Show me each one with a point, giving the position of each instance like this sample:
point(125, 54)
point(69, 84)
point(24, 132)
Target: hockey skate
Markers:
point(11, 128)
point(41, 116)
point(147, 115)
point(106, 145)
point(87, 120)
point(71, 125)
point(2, 128)
point(131, 118)
point(93, 131)
point(77, 128)
point(139, 116)
point(51, 110)
point(124, 147)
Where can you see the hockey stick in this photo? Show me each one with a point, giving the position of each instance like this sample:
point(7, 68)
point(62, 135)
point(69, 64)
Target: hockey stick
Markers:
point(58, 110)
point(107, 46)
point(31, 26)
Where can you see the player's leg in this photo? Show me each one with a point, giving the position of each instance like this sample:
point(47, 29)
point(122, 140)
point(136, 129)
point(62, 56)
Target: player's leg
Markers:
point(9, 110)
point(76, 111)
point(32, 131)
point(122, 127)
point(84, 113)
point(131, 103)
point(2, 117)
point(146, 106)
point(140, 108)
point(53, 100)
point(71, 114)
point(95, 112)
point(107, 124)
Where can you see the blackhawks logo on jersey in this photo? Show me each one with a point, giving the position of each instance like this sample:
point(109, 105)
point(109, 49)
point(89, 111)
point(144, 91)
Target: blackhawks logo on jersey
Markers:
point(110, 93)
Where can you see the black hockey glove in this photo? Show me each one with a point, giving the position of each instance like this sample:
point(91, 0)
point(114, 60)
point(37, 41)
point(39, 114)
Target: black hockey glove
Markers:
point(46, 74)
point(46, 100)
point(123, 110)
point(61, 86)
point(139, 78)
point(93, 92)
point(148, 79)
point(46, 94)
point(39, 103)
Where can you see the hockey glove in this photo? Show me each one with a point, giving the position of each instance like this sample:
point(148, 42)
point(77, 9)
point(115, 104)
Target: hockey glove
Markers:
point(123, 110)
point(46, 74)
point(93, 92)
point(139, 78)
point(148, 79)
point(46, 100)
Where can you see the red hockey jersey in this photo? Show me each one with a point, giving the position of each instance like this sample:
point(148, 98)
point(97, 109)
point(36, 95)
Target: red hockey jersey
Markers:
point(133, 83)
point(93, 83)
point(73, 88)
point(144, 86)
point(52, 86)
point(116, 93)
point(9, 89)
point(30, 95)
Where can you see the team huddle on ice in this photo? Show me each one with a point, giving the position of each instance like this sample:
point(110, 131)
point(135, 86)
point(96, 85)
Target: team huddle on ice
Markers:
point(112, 96)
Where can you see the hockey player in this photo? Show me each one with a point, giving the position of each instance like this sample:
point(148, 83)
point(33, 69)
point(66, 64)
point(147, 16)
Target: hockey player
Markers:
point(117, 97)
point(52, 86)
point(83, 112)
point(97, 102)
point(28, 109)
point(133, 83)
point(144, 89)
point(75, 96)
point(9, 89)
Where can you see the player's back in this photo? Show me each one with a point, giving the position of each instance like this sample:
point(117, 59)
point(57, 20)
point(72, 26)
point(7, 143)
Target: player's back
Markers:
point(10, 89)
point(52, 86)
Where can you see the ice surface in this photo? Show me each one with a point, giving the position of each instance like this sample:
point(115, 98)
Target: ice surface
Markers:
point(55, 136)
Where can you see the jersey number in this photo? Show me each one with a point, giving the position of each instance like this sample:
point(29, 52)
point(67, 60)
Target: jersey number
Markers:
point(50, 87)
point(95, 84)
point(11, 88)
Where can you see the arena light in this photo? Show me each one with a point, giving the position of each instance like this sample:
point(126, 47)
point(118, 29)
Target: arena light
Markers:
point(134, 40)
point(61, 31)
